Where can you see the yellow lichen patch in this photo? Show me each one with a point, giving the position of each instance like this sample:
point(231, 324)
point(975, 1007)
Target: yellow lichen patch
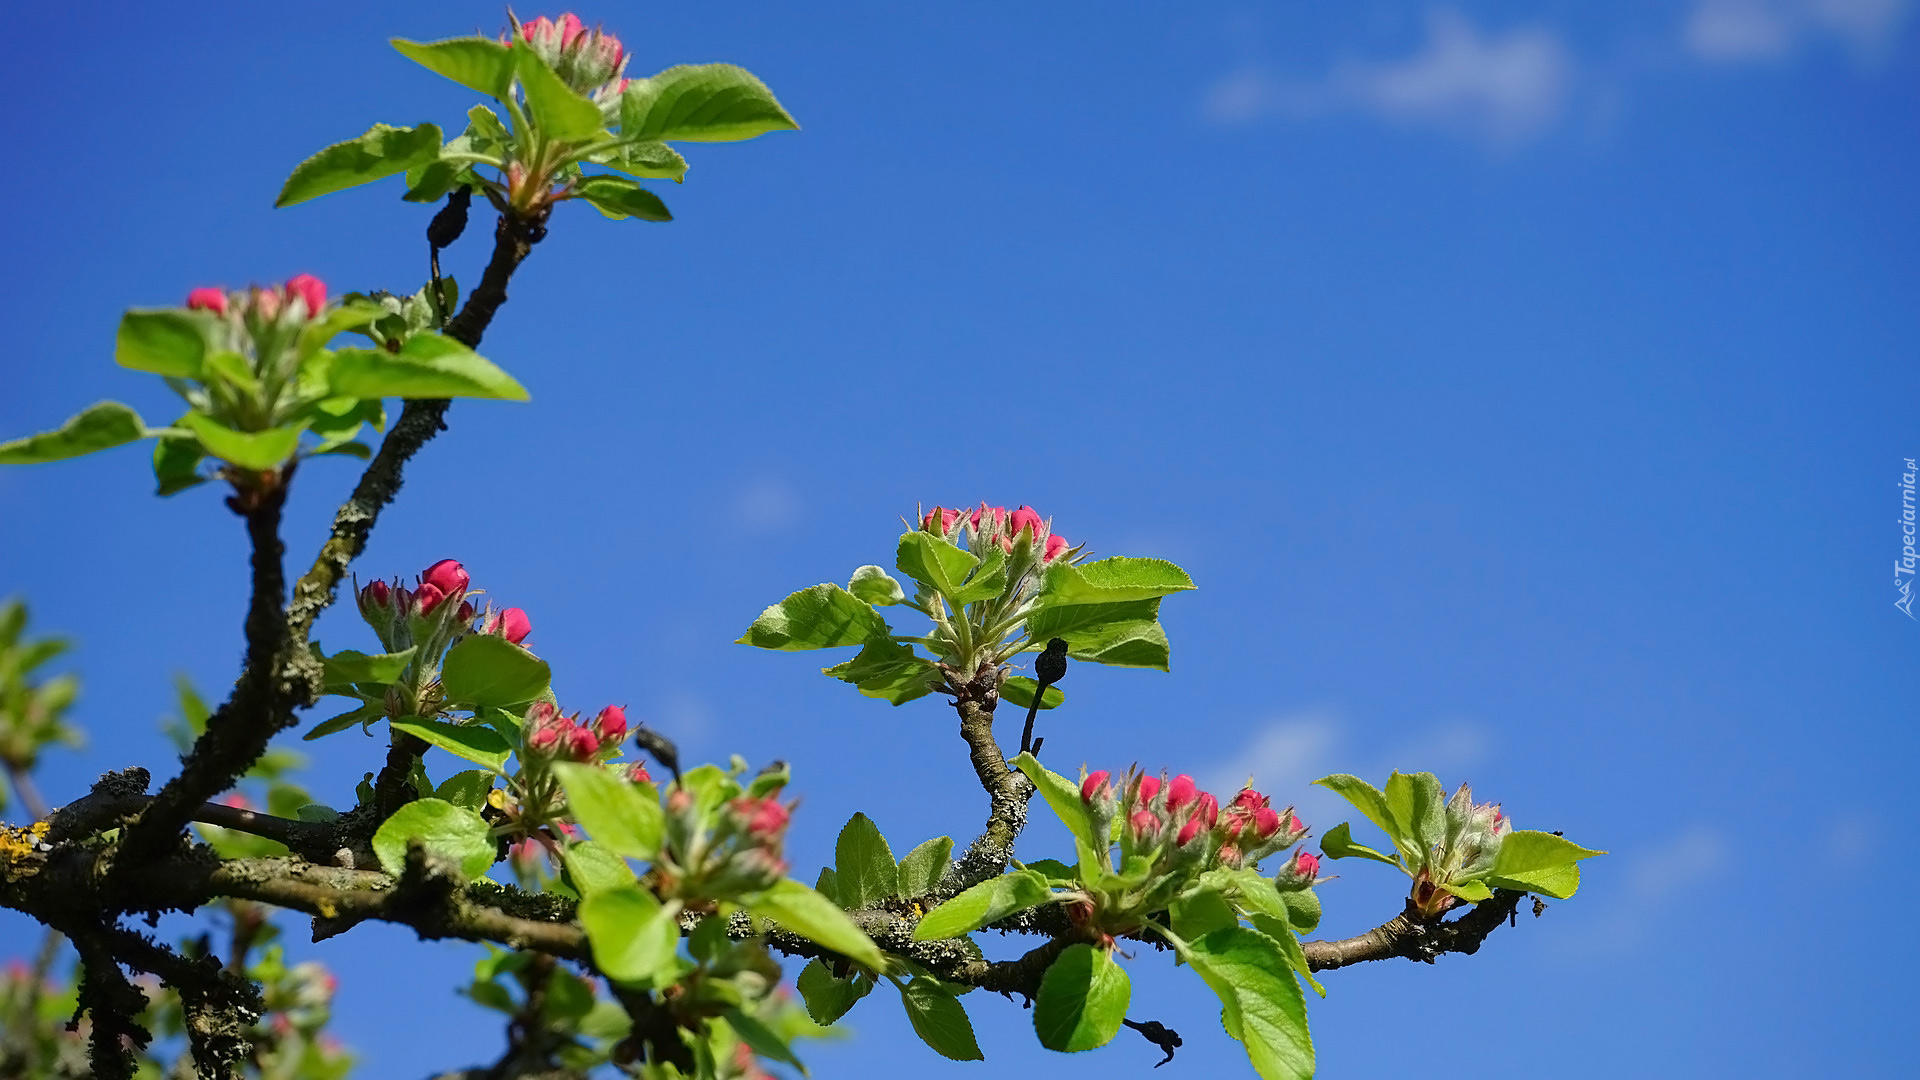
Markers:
point(327, 910)
point(18, 848)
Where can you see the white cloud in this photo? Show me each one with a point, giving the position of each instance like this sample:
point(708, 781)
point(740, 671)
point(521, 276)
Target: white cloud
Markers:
point(766, 506)
point(1734, 31)
point(1282, 758)
point(1499, 87)
point(1652, 881)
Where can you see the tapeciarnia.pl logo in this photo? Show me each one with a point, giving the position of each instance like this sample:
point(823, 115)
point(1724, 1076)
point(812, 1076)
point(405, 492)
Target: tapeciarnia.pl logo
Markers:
point(1905, 563)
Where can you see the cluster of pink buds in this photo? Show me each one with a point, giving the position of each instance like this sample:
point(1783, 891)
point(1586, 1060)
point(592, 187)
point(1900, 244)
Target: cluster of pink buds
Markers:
point(301, 298)
point(431, 613)
point(1188, 825)
point(1300, 872)
point(1024, 529)
point(589, 61)
point(554, 736)
point(511, 624)
point(1474, 834)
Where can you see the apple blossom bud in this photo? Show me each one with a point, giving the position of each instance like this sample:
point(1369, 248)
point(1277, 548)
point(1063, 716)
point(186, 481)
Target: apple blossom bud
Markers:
point(1096, 784)
point(1145, 825)
point(635, 772)
point(208, 298)
point(426, 598)
point(544, 739)
point(1181, 792)
point(582, 744)
point(1300, 872)
point(611, 723)
point(465, 614)
point(1230, 856)
point(1207, 809)
point(943, 516)
point(1266, 822)
point(377, 595)
point(765, 819)
point(511, 624)
point(1249, 800)
point(264, 303)
point(1026, 519)
point(1056, 546)
point(1194, 827)
point(448, 576)
point(1149, 787)
point(310, 290)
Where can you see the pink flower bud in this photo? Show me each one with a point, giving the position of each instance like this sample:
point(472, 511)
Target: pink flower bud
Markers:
point(1093, 784)
point(511, 624)
point(308, 288)
point(945, 517)
point(1025, 519)
point(582, 744)
point(448, 576)
point(1266, 822)
point(427, 597)
point(1056, 546)
point(1145, 825)
point(570, 28)
point(1249, 800)
point(765, 818)
point(1300, 872)
point(208, 298)
point(1181, 792)
point(1207, 809)
point(544, 739)
point(611, 723)
point(990, 518)
point(1149, 787)
point(465, 614)
point(377, 594)
point(1194, 827)
point(636, 773)
point(265, 303)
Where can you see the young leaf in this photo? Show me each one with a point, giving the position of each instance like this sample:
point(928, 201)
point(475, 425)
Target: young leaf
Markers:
point(1365, 798)
point(427, 366)
point(164, 341)
point(1419, 804)
point(1261, 1004)
point(989, 901)
point(1206, 911)
point(635, 937)
point(1473, 891)
point(480, 745)
point(1018, 691)
point(1539, 862)
point(889, 671)
point(482, 669)
point(1109, 581)
point(762, 1039)
point(1124, 634)
point(816, 918)
point(863, 867)
point(921, 868)
point(616, 813)
point(467, 790)
point(445, 829)
point(828, 998)
point(1063, 798)
point(594, 869)
point(257, 450)
point(365, 714)
point(988, 581)
point(874, 585)
point(821, 617)
point(645, 160)
point(1083, 997)
point(476, 63)
point(382, 152)
point(618, 197)
point(1284, 936)
point(176, 464)
point(349, 666)
point(940, 1020)
point(558, 112)
point(1338, 844)
point(933, 562)
point(701, 103)
point(97, 427)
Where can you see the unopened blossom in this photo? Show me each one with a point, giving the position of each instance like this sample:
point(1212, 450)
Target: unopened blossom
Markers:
point(1149, 787)
point(448, 576)
point(582, 744)
point(208, 298)
point(1249, 800)
point(511, 624)
point(426, 598)
point(765, 818)
point(1026, 519)
point(1056, 546)
point(376, 594)
point(1181, 792)
point(611, 723)
point(1300, 872)
point(1194, 827)
point(1096, 784)
point(1206, 809)
point(945, 517)
point(308, 289)
point(1145, 825)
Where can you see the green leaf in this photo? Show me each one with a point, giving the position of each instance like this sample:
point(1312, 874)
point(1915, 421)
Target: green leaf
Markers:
point(1063, 797)
point(176, 464)
point(1206, 911)
point(828, 998)
point(1539, 862)
point(989, 580)
point(701, 103)
point(349, 666)
point(365, 714)
point(467, 790)
point(635, 937)
point(480, 745)
point(258, 450)
point(382, 152)
point(1260, 1001)
point(822, 617)
point(1283, 935)
point(934, 562)
point(646, 160)
point(874, 585)
point(618, 197)
point(864, 872)
point(1083, 997)
point(762, 1039)
point(989, 901)
point(1053, 869)
point(1419, 804)
point(558, 112)
point(427, 366)
point(445, 829)
point(97, 427)
point(1338, 844)
point(1126, 633)
point(1018, 691)
point(940, 1020)
point(890, 671)
point(920, 869)
point(816, 918)
point(616, 813)
point(482, 669)
point(1109, 581)
point(476, 63)
point(1473, 891)
point(164, 341)
point(595, 869)
point(1365, 798)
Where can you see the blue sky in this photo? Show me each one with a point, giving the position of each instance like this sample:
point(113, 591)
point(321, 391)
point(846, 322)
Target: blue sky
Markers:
point(1526, 387)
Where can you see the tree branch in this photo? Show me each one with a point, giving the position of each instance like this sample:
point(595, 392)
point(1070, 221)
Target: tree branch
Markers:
point(1007, 790)
point(1406, 936)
